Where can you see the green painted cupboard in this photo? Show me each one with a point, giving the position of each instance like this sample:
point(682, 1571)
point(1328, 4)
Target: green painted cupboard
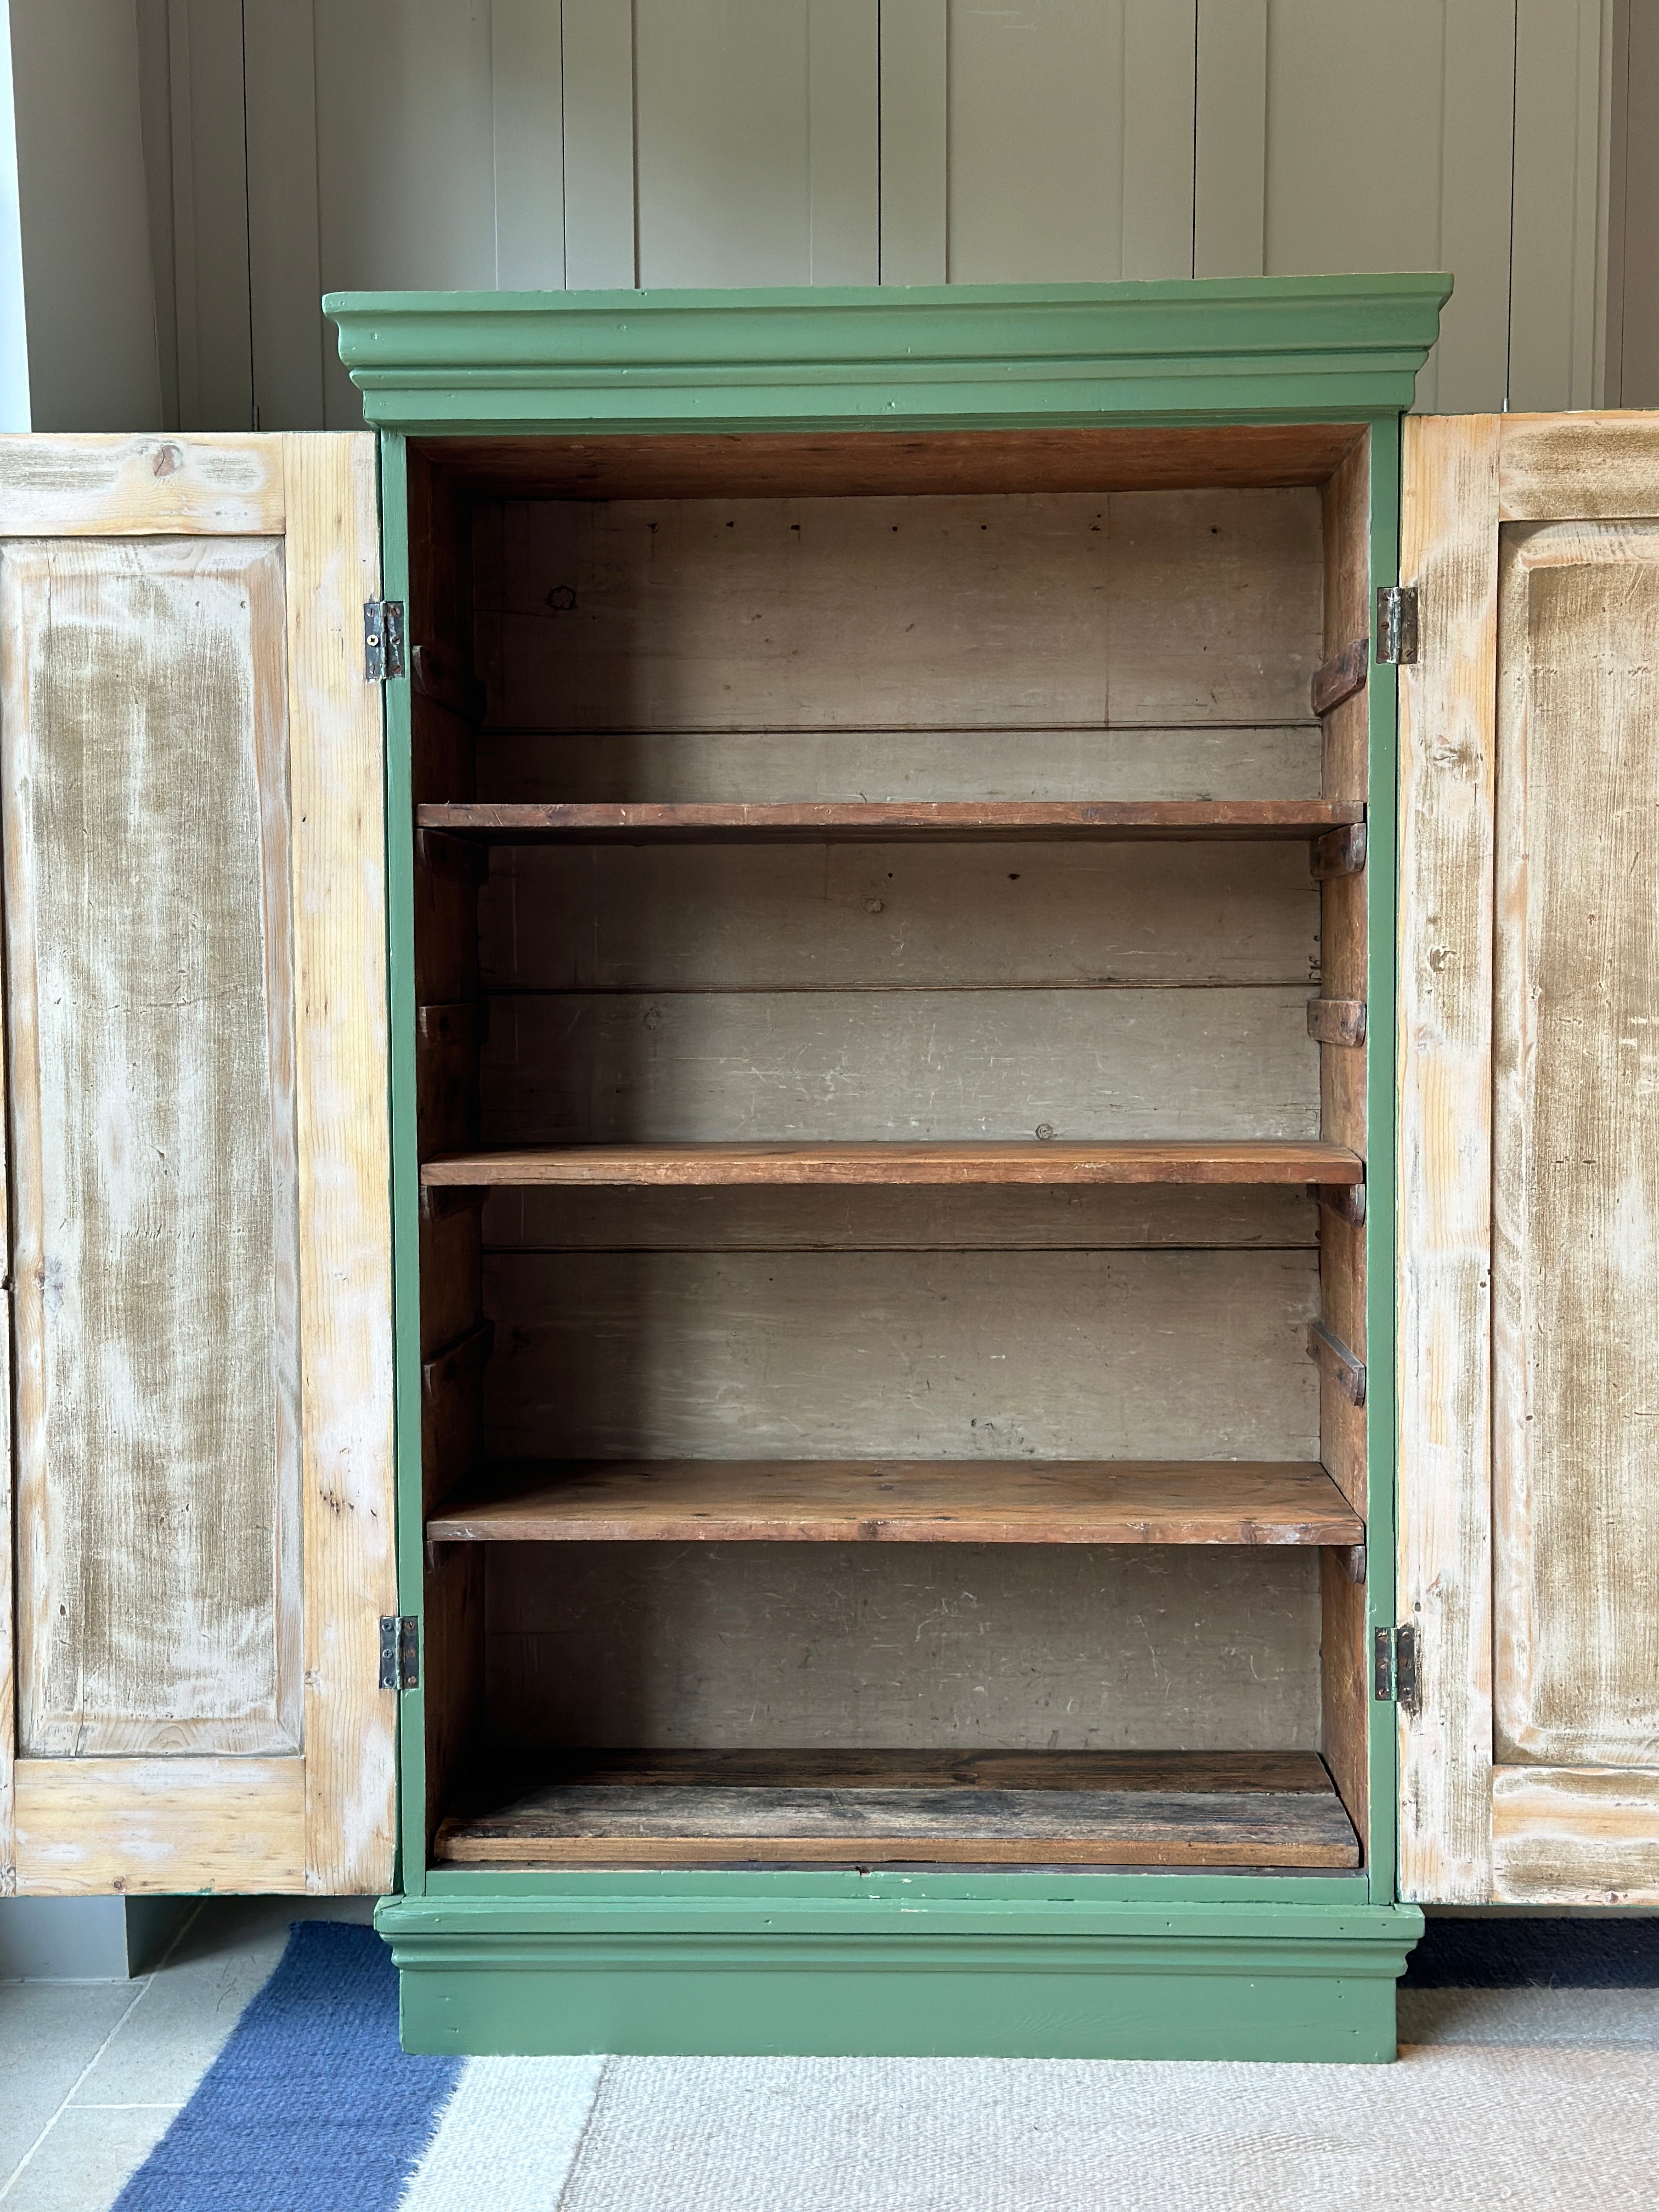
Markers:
point(876, 1208)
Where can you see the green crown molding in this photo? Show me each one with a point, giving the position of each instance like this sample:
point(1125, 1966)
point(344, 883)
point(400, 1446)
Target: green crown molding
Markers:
point(922, 357)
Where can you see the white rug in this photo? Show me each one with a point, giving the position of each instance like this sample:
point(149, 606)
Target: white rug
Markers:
point(1541, 2122)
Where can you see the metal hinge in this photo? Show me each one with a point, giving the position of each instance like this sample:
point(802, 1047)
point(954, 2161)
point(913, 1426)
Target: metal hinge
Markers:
point(383, 638)
point(1394, 1668)
point(1396, 623)
point(400, 1651)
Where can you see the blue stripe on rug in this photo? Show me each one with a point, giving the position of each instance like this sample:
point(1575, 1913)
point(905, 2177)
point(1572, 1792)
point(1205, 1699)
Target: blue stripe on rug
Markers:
point(311, 2106)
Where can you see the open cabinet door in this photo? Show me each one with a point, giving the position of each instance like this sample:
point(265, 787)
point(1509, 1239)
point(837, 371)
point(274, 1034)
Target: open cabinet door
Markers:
point(200, 1396)
point(1529, 1160)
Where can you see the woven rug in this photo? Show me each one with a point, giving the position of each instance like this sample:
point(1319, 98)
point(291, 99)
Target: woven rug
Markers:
point(312, 2107)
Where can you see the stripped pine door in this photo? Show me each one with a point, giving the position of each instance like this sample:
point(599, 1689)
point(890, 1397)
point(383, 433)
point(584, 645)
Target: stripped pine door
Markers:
point(1529, 1160)
point(200, 1337)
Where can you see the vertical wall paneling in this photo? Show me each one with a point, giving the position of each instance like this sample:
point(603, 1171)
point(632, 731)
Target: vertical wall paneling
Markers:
point(155, 134)
point(81, 215)
point(600, 248)
point(914, 136)
point(1637, 324)
point(1553, 285)
point(1160, 84)
point(1033, 146)
point(211, 216)
point(526, 94)
point(843, 141)
point(405, 154)
point(1231, 149)
point(1468, 369)
point(290, 337)
point(720, 162)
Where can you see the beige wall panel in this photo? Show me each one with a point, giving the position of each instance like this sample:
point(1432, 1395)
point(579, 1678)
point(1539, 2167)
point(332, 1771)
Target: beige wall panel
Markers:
point(911, 1065)
point(405, 155)
point(125, 487)
point(864, 1355)
point(1468, 368)
point(843, 141)
point(1576, 1148)
point(1447, 749)
point(896, 917)
point(720, 117)
point(1587, 1836)
point(983, 1218)
point(86, 1827)
point(154, 1229)
point(717, 1645)
point(1276, 761)
point(1229, 150)
point(915, 138)
point(597, 42)
point(208, 166)
point(291, 342)
point(1042, 609)
point(341, 1090)
point(1160, 42)
point(526, 84)
point(1034, 148)
point(1556, 281)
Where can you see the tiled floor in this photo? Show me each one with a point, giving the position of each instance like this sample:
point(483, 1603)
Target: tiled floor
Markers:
point(93, 2071)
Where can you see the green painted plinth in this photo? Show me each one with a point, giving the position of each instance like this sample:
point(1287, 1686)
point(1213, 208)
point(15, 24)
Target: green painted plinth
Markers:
point(880, 1976)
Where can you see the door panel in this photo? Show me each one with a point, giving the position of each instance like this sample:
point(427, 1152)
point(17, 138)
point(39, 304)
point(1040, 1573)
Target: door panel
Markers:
point(1576, 1147)
point(1529, 1160)
point(145, 785)
point(190, 767)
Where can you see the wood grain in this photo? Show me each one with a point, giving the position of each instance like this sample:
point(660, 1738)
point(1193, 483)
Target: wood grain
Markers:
point(1448, 703)
point(1576, 1836)
point(1554, 468)
point(860, 462)
point(718, 1165)
point(910, 1355)
point(155, 1257)
point(914, 1501)
point(1342, 677)
point(922, 1066)
point(333, 557)
point(1270, 760)
point(939, 1217)
point(866, 824)
point(166, 1827)
point(725, 614)
point(1576, 1148)
point(1096, 1811)
point(87, 485)
point(913, 917)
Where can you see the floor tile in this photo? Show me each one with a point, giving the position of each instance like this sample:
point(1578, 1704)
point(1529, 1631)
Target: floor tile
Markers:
point(49, 2032)
point(84, 2161)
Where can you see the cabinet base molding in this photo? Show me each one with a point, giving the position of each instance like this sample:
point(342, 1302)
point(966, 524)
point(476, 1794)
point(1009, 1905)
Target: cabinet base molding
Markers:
point(923, 1966)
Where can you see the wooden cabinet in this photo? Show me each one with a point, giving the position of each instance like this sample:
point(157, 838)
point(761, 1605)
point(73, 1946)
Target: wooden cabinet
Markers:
point(841, 1103)
point(1529, 1161)
point(200, 1337)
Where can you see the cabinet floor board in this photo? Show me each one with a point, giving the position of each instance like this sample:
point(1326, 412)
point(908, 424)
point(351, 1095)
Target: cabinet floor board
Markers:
point(902, 1501)
point(845, 1807)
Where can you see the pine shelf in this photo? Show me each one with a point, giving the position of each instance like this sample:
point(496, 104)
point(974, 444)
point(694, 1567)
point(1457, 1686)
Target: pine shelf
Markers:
point(701, 822)
point(725, 1165)
point(902, 1501)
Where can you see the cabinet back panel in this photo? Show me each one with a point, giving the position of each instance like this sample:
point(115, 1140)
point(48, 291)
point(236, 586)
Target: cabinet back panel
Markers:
point(155, 1250)
point(877, 1647)
point(920, 1355)
point(896, 917)
point(1042, 611)
point(565, 1068)
point(1102, 1218)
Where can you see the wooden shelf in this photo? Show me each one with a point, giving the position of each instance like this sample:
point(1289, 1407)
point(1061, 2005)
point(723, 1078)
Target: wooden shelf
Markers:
point(841, 1807)
point(903, 1502)
point(724, 1166)
point(702, 823)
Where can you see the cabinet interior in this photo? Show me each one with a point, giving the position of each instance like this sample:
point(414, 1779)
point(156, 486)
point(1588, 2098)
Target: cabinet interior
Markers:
point(871, 1116)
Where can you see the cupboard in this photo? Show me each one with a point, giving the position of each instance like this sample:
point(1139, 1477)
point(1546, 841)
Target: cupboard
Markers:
point(806, 1145)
